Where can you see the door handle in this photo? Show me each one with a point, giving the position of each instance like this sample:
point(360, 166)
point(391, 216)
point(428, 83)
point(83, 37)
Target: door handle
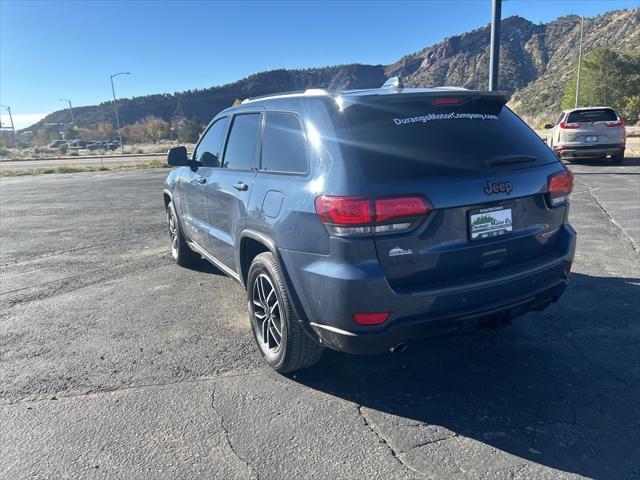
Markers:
point(241, 186)
point(201, 180)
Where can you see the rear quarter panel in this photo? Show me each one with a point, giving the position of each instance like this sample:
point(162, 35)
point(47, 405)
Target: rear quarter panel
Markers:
point(293, 224)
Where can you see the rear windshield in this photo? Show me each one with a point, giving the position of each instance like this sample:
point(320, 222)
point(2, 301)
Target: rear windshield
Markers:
point(401, 139)
point(592, 115)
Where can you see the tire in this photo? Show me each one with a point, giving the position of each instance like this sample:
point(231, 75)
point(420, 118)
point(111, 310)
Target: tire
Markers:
point(270, 308)
point(180, 250)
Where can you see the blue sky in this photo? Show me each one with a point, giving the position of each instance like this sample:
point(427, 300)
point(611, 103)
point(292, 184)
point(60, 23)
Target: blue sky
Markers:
point(55, 49)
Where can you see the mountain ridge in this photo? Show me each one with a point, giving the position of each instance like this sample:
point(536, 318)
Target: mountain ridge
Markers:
point(536, 62)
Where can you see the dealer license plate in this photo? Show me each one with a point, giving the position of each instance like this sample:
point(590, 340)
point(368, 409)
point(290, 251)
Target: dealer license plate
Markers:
point(490, 222)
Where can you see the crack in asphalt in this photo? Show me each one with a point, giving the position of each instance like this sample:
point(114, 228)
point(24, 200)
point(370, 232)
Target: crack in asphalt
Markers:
point(227, 436)
point(513, 474)
point(33, 259)
point(58, 396)
point(381, 439)
point(72, 283)
point(612, 220)
point(439, 440)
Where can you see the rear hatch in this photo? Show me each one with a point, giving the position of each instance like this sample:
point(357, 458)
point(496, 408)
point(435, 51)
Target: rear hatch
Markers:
point(594, 126)
point(482, 172)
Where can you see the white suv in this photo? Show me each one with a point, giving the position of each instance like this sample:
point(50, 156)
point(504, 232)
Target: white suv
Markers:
point(594, 132)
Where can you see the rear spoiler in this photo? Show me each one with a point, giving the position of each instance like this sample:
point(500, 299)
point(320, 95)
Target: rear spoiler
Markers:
point(474, 95)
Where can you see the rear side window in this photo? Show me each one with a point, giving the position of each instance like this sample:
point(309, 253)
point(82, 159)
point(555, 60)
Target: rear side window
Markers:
point(243, 141)
point(210, 147)
point(593, 115)
point(401, 139)
point(283, 144)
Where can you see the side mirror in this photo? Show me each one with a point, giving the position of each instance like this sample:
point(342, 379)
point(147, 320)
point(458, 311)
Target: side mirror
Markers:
point(547, 126)
point(177, 157)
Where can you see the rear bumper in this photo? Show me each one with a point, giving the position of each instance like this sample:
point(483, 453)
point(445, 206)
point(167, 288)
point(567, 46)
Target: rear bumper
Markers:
point(394, 334)
point(588, 151)
point(329, 292)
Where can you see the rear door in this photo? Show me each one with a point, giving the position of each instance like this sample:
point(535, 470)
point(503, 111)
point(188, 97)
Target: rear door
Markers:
point(230, 189)
point(482, 171)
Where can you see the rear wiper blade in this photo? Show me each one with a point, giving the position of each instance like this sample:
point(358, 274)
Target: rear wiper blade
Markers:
point(509, 160)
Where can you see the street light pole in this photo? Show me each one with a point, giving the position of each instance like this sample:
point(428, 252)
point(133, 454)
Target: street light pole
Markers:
point(494, 54)
point(13, 128)
point(73, 122)
point(579, 63)
point(115, 108)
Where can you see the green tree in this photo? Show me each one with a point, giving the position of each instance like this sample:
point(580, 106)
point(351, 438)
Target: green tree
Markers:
point(190, 130)
point(608, 78)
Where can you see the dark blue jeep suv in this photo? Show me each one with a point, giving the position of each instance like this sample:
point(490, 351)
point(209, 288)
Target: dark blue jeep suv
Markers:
point(361, 220)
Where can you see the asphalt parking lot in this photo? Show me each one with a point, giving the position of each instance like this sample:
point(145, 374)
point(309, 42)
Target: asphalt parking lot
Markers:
point(116, 363)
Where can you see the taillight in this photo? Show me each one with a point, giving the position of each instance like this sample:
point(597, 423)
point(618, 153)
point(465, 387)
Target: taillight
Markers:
point(569, 125)
point(344, 210)
point(363, 215)
point(619, 123)
point(559, 186)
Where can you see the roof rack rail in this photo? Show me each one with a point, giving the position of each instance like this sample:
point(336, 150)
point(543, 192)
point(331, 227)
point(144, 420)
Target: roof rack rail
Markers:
point(319, 91)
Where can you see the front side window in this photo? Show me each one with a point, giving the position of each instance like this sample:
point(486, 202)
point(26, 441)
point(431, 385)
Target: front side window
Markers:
point(243, 141)
point(210, 147)
point(283, 144)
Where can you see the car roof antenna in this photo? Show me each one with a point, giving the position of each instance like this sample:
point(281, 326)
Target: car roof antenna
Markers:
point(393, 82)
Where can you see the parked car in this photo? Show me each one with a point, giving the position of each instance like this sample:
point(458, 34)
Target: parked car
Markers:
point(363, 220)
point(594, 132)
point(57, 143)
point(103, 145)
point(77, 143)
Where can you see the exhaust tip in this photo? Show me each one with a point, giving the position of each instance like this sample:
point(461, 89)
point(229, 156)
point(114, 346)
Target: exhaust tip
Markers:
point(401, 347)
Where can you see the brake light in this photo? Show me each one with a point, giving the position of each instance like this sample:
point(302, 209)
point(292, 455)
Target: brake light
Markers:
point(444, 101)
point(559, 186)
point(370, 318)
point(569, 125)
point(619, 123)
point(365, 215)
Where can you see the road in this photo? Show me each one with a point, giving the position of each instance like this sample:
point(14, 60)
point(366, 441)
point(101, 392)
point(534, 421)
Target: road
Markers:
point(116, 363)
point(85, 162)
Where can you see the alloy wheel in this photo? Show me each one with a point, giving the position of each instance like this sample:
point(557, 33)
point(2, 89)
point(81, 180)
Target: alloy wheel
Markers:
point(173, 232)
point(266, 314)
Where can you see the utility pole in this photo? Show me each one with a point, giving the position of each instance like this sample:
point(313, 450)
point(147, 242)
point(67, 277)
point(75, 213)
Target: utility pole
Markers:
point(13, 128)
point(494, 55)
point(73, 122)
point(115, 108)
point(579, 63)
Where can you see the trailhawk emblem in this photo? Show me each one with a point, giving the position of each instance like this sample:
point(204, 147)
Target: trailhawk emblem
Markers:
point(394, 252)
point(497, 187)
